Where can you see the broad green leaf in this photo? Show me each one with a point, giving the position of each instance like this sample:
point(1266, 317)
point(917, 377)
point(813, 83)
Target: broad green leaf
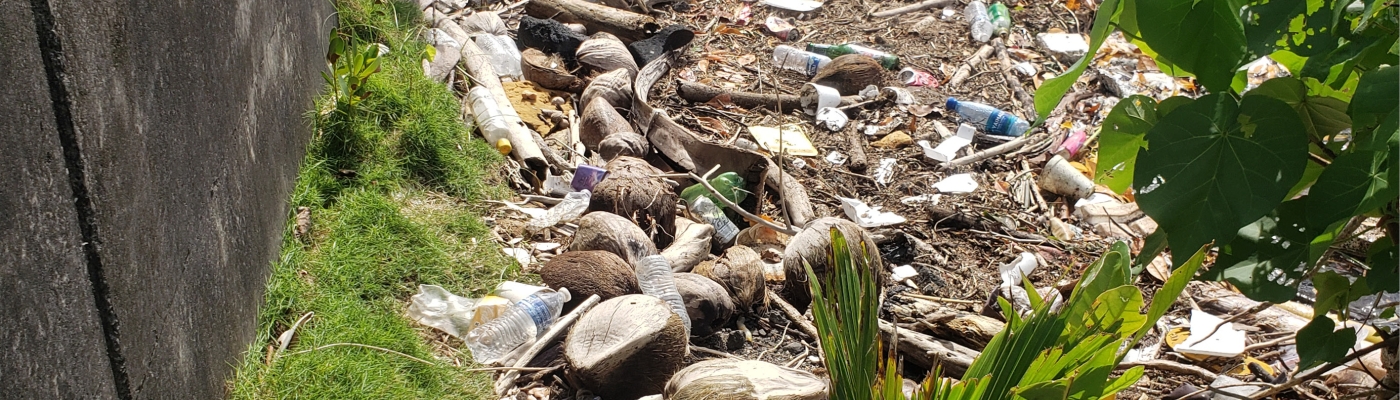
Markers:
point(1121, 137)
point(1108, 272)
point(1335, 292)
point(1318, 343)
point(1053, 389)
point(1171, 104)
point(1153, 245)
point(1268, 257)
point(1213, 166)
point(1322, 65)
point(1053, 90)
point(1128, 378)
point(1356, 182)
point(1375, 98)
point(1116, 311)
point(1322, 116)
point(1205, 37)
point(1385, 265)
point(1303, 27)
point(1311, 171)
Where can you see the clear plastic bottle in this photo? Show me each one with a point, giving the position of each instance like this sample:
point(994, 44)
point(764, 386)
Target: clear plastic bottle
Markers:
point(730, 184)
point(1000, 17)
point(886, 60)
point(976, 13)
point(725, 230)
point(573, 206)
point(656, 279)
point(489, 117)
point(522, 323)
point(990, 119)
point(505, 56)
point(792, 58)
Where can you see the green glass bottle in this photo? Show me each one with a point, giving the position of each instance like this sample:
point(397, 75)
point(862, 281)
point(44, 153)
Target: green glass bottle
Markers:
point(1000, 17)
point(728, 183)
point(887, 60)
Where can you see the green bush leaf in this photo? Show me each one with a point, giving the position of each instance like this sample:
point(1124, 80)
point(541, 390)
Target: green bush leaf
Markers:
point(1163, 299)
point(1317, 343)
point(1385, 266)
point(1302, 27)
point(1322, 116)
point(1269, 256)
point(1221, 163)
point(1356, 182)
point(1335, 292)
point(1205, 37)
point(1375, 98)
point(1122, 136)
point(1053, 90)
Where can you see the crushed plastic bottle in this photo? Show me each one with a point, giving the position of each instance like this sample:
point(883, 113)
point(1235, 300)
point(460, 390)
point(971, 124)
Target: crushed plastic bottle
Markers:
point(981, 24)
point(656, 279)
point(573, 206)
point(490, 118)
point(505, 56)
point(730, 184)
point(990, 119)
point(887, 60)
point(791, 58)
point(1000, 17)
point(725, 230)
point(521, 324)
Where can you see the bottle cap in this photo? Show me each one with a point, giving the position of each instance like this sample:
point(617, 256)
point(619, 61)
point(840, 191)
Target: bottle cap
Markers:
point(951, 104)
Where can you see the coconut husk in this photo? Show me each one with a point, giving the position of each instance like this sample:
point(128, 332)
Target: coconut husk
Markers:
point(587, 273)
point(634, 190)
point(623, 143)
point(740, 271)
point(612, 233)
point(626, 347)
point(604, 52)
point(548, 71)
point(850, 73)
point(615, 86)
point(728, 379)
point(600, 120)
point(706, 303)
point(812, 245)
point(692, 245)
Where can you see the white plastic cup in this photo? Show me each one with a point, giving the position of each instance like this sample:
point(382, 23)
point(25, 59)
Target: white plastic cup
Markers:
point(814, 97)
point(1059, 177)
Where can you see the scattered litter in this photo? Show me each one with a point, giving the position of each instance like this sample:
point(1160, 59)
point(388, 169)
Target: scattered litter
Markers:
point(546, 246)
point(995, 121)
point(1059, 177)
point(1224, 342)
point(869, 92)
point(790, 138)
point(793, 5)
point(931, 199)
point(1067, 47)
point(836, 158)
point(885, 171)
point(532, 212)
point(586, 176)
point(948, 148)
point(557, 185)
point(1025, 68)
point(917, 77)
point(571, 208)
point(798, 163)
point(779, 28)
point(437, 308)
point(900, 95)
point(900, 273)
point(516, 291)
point(814, 97)
point(960, 183)
point(1013, 272)
point(867, 216)
point(832, 118)
point(521, 256)
point(1072, 144)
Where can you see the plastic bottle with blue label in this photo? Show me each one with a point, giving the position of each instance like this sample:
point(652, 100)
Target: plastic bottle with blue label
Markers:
point(792, 58)
point(989, 119)
point(521, 324)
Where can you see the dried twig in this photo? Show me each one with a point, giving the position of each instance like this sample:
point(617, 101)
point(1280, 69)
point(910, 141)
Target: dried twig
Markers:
point(713, 352)
point(740, 210)
point(939, 299)
point(792, 314)
point(924, 5)
point(1257, 308)
point(1318, 371)
point(966, 69)
point(1172, 366)
point(995, 151)
point(364, 346)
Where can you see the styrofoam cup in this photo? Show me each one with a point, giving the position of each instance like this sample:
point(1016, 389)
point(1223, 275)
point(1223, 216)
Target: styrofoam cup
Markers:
point(814, 97)
point(1059, 177)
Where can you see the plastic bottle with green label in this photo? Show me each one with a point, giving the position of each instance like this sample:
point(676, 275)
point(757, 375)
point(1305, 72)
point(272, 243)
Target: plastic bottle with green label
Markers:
point(730, 184)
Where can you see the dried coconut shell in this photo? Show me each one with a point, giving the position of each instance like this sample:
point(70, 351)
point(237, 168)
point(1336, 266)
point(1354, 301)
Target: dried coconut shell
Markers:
point(740, 272)
point(623, 143)
point(600, 120)
point(615, 86)
point(812, 244)
point(626, 347)
point(612, 233)
point(548, 71)
point(604, 52)
point(587, 273)
point(634, 189)
point(728, 379)
point(692, 245)
point(706, 302)
point(850, 73)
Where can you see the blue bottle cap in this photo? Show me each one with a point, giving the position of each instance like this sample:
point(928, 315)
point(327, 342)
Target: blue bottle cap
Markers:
point(952, 103)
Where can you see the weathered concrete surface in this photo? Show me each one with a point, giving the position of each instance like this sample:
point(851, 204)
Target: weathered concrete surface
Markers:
point(51, 342)
point(185, 122)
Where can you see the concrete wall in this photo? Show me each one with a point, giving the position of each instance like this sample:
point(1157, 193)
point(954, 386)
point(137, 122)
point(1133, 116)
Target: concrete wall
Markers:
point(148, 149)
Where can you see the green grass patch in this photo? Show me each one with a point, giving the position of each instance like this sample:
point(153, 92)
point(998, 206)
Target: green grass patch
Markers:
point(390, 187)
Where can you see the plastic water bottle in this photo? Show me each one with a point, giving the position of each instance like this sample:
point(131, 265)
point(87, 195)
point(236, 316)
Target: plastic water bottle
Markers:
point(1000, 17)
point(730, 184)
point(490, 118)
point(886, 60)
point(976, 13)
point(791, 58)
point(573, 206)
point(705, 209)
point(656, 279)
point(505, 57)
point(990, 119)
point(522, 323)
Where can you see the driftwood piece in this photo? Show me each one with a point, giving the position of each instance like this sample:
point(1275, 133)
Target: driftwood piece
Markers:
point(856, 149)
point(627, 347)
point(701, 93)
point(692, 245)
point(743, 380)
point(812, 245)
point(965, 70)
point(708, 306)
point(923, 5)
point(1220, 301)
point(601, 230)
point(626, 25)
point(523, 145)
point(1027, 102)
point(634, 189)
point(928, 352)
point(588, 273)
point(740, 272)
point(971, 330)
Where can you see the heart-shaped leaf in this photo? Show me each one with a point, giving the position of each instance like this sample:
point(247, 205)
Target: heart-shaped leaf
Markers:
point(1121, 137)
point(1213, 166)
point(1322, 116)
point(1317, 343)
point(1204, 37)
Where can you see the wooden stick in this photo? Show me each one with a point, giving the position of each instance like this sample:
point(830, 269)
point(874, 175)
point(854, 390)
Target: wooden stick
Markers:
point(911, 8)
point(554, 332)
point(939, 299)
point(928, 351)
point(700, 93)
point(966, 69)
point(1318, 371)
point(1172, 366)
point(792, 314)
point(856, 143)
point(1027, 102)
point(995, 151)
point(713, 352)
